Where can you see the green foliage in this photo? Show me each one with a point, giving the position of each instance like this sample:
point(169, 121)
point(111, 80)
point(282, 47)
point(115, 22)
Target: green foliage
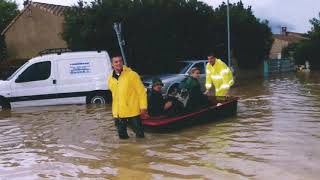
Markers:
point(309, 50)
point(158, 32)
point(2, 48)
point(251, 38)
point(8, 10)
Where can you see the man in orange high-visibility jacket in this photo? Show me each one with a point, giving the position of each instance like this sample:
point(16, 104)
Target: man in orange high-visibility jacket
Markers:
point(218, 76)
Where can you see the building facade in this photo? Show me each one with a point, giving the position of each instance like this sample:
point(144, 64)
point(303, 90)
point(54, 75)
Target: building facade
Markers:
point(283, 40)
point(37, 27)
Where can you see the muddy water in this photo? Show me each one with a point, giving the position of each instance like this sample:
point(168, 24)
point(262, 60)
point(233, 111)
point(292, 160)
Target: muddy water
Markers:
point(276, 135)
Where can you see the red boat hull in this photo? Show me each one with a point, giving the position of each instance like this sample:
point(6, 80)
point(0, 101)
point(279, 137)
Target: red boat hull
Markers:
point(221, 107)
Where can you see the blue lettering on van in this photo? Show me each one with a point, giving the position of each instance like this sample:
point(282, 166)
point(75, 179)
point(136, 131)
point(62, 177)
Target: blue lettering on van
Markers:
point(80, 68)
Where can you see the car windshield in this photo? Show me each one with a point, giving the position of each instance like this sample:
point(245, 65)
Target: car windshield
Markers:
point(177, 68)
point(15, 72)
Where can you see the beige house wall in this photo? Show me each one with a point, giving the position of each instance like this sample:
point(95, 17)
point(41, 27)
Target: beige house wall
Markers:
point(34, 31)
point(277, 47)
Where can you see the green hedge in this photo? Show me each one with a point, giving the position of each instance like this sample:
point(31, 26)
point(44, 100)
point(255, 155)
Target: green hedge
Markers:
point(158, 32)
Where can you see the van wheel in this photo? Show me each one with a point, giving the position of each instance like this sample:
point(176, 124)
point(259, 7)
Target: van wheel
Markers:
point(4, 105)
point(98, 98)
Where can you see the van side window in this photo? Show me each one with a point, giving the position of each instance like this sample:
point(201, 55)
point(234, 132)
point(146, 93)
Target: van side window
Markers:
point(36, 72)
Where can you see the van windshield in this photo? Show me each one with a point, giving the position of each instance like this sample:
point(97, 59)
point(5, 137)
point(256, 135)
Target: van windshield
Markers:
point(16, 72)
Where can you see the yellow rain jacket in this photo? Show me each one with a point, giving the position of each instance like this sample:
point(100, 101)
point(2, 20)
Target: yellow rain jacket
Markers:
point(220, 76)
point(129, 96)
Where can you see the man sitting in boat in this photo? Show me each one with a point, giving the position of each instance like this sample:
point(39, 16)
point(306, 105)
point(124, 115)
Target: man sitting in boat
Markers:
point(192, 85)
point(157, 104)
point(218, 76)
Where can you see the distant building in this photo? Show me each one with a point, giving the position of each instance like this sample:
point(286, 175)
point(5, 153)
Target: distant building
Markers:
point(37, 27)
point(283, 40)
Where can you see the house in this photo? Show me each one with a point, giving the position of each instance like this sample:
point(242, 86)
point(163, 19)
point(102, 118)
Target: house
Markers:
point(283, 40)
point(37, 27)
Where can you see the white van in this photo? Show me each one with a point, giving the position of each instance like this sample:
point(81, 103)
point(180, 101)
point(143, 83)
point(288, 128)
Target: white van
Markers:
point(60, 78)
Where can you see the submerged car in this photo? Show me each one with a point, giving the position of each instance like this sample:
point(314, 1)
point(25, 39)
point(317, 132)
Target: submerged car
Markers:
point(176, 73)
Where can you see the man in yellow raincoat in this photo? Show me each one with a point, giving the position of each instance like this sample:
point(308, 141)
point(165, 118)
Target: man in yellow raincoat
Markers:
point(129, 98)
point(218, 76)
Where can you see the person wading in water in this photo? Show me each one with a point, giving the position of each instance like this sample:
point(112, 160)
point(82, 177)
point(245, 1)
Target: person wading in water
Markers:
point(129, 99)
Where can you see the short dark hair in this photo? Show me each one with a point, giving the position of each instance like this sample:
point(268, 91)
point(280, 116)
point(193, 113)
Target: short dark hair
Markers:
point(114, 56)
point(211, 54)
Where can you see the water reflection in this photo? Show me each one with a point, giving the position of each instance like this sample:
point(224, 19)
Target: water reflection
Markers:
point(275, 135)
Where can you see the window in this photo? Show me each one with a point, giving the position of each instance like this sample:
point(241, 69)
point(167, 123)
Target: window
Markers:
point(16, 72)
point(176, 68)
point(36, 72)
point(200, 66)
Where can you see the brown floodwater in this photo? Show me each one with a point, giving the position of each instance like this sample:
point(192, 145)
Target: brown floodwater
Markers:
point(276, 135)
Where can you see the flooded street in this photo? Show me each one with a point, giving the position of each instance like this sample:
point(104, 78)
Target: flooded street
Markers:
point(276, 135)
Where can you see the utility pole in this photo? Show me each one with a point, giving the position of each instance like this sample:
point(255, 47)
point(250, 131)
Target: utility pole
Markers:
point(229, 46)
point(118, 29)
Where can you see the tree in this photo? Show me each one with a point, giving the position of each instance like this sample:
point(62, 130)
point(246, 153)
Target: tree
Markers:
point(251, 38)
point(8, 10)
point(158, 32)
point(309, 50)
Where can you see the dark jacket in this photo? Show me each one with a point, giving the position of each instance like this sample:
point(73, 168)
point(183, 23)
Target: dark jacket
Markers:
point(155, 103)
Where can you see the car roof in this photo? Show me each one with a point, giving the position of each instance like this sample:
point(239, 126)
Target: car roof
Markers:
point(194, 61)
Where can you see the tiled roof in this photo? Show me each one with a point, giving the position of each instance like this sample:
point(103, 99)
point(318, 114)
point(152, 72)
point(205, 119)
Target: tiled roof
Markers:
point(56, 10)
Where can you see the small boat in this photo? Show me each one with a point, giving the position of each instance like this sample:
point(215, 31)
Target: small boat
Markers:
point(220, 107)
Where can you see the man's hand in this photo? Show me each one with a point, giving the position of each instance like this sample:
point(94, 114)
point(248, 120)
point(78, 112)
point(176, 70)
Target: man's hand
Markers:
point(206, 93)
point(144, 114)
point(167, 105)
point(227, 95)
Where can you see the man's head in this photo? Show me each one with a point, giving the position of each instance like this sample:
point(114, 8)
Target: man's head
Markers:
point(117, 63)
point(212, 58)
point(157, 84)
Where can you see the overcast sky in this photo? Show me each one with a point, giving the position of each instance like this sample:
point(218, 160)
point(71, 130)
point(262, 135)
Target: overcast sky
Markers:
point(294, 14)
